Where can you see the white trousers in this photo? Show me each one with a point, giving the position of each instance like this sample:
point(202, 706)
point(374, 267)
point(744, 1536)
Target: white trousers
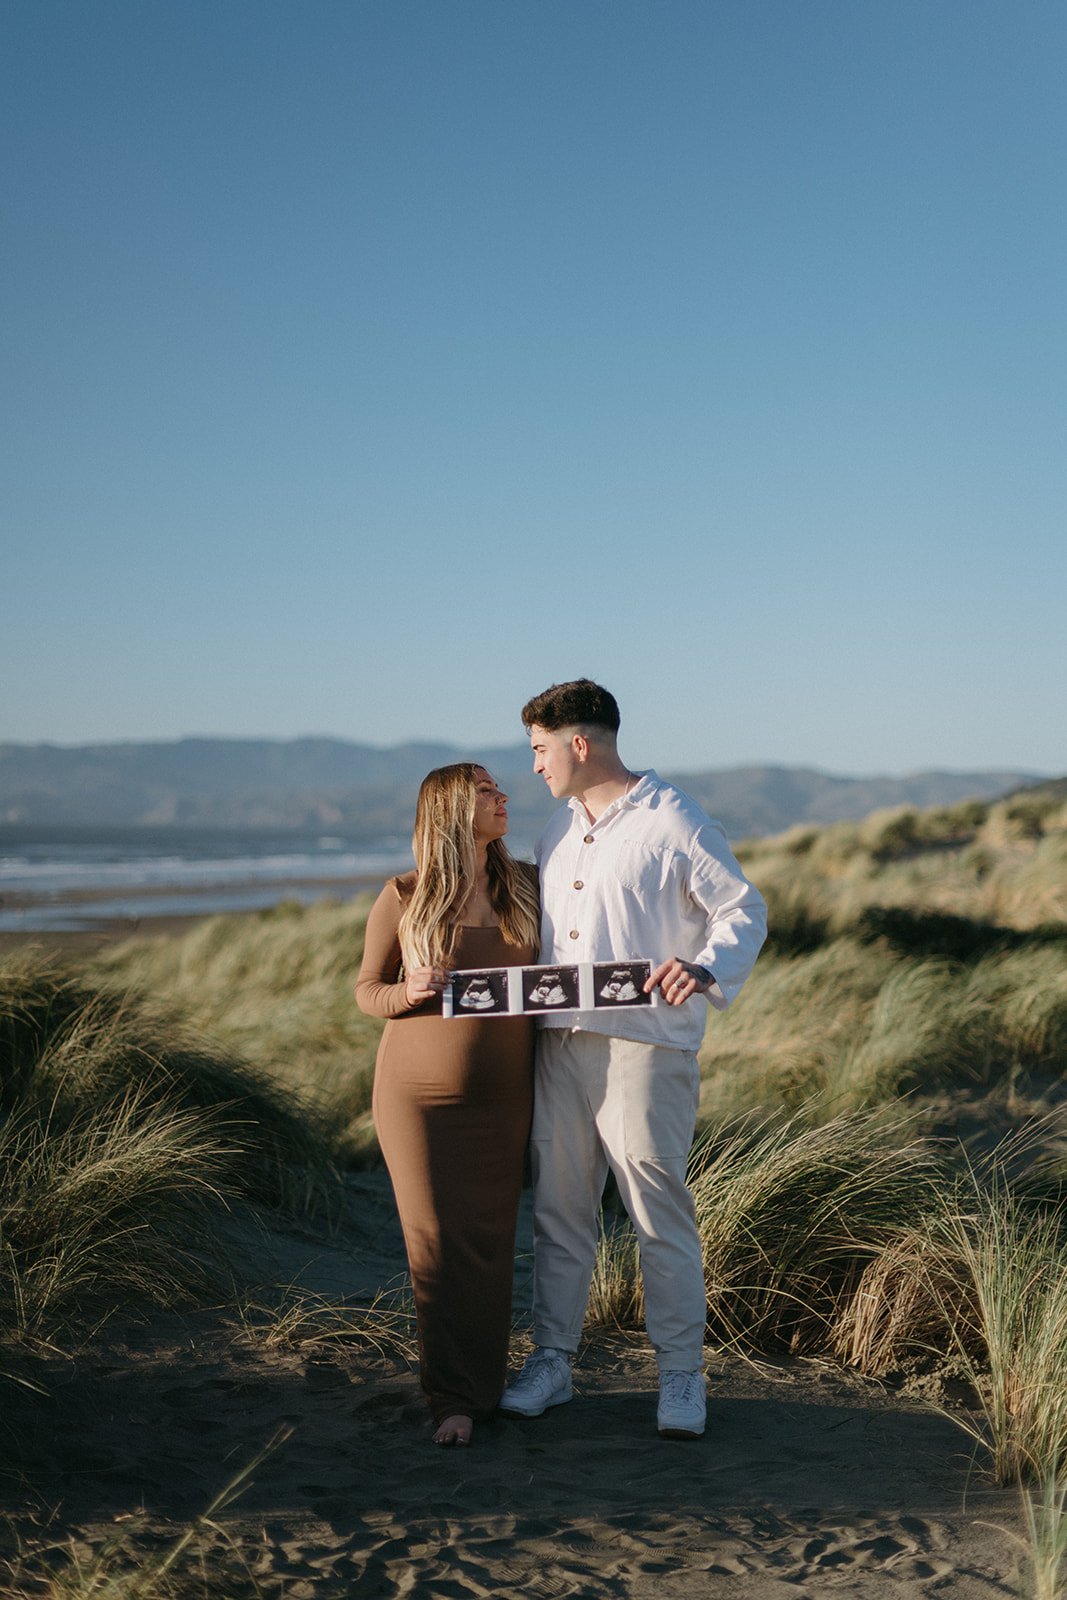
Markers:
point(601, 1102)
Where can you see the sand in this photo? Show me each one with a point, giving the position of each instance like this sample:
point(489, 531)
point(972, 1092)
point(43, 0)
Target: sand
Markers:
point(808, 1479)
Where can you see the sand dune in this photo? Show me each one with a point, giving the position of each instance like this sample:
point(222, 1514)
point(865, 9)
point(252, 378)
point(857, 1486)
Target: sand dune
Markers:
point(808, 1479)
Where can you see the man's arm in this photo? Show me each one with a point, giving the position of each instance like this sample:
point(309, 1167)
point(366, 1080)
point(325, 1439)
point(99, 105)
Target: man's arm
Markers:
point(735, 926)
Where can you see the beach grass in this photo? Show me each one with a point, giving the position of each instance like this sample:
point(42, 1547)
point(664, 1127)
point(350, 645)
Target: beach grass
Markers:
point(790, 1216)
point(910, 953)
point(917, 962)
point(1044, 1567)
point(276, 987)
point(293, 1319)
point(1006, 1319)
point(125, 1138)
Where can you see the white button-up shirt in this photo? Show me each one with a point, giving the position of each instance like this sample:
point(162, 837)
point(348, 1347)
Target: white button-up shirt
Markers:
point(652, 877)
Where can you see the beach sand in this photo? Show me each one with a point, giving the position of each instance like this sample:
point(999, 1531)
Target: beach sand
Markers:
point(808, 1479)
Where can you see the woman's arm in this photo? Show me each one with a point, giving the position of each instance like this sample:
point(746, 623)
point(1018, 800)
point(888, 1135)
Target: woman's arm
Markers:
point(379, 990)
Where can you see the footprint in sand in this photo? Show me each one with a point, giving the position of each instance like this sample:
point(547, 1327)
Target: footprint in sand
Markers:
point(905, 1547)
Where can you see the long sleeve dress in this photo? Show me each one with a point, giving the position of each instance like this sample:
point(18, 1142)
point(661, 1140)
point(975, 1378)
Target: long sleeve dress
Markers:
point(452, 1104)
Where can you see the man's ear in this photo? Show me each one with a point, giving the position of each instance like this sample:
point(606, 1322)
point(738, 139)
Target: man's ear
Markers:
point(580, 746)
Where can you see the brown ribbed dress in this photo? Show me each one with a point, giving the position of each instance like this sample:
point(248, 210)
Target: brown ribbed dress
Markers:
point(452, 1104)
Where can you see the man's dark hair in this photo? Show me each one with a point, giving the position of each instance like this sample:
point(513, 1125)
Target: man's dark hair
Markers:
point(572, 705)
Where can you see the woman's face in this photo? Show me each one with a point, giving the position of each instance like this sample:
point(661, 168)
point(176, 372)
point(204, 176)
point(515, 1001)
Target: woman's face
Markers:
point(490, 808)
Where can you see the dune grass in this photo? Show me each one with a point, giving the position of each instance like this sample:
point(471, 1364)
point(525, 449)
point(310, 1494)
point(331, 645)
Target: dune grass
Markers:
point(858, 1023)
point(908, 952)
point(789, 1217)
point(124, 1137)
point(842, 1240)
point(292, 1319)
point(912, 956)
point(112, 1210)
point(1044, 1574)
point(1015, 1265)
point(276, 987)
point(982, 1279)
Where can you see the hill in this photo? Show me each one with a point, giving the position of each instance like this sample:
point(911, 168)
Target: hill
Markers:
point(364, 790)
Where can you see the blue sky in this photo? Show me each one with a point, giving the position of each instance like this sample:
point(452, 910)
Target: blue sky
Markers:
point(368, 366)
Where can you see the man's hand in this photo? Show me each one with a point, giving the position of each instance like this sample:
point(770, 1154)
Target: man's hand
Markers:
point(679, 980)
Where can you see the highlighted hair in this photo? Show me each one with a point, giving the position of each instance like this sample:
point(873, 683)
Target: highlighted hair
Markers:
point(445, 863)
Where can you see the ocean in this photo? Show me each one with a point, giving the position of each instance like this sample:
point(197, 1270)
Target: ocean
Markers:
point(72, 879)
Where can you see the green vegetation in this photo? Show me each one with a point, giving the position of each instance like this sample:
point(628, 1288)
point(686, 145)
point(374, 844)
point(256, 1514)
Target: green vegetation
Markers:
point(789, 1217)
point(914, 986)
point(911, 953)
point(916, 977)
point(276, 989)
point(123, 1137)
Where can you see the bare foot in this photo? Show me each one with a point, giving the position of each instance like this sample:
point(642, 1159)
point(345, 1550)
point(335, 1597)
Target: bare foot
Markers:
point(454, 1430)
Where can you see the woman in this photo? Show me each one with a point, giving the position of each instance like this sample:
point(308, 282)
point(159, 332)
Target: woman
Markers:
point(452, 1097)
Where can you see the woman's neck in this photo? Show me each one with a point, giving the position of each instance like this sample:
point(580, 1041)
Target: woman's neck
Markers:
point(477, 910)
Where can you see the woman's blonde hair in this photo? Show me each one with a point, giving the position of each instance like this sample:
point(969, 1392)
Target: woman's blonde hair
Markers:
point(445, 870)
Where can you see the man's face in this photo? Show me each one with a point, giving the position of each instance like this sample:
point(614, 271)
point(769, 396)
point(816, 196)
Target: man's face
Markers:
point(554, 758)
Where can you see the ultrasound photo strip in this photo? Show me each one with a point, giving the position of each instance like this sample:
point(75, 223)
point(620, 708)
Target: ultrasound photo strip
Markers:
point(538, 991)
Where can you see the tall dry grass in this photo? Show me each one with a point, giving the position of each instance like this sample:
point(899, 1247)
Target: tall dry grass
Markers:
point(1002, 864)
point(275, 987)
point(980, 1280)
point(908, 952)
point(113, 1209)
point(842, 1240)
point(859, 1023)
point(1045, 1546)
point(1016, 1267)
point(911, 955)
point(123, 1139)
point(789, 1217)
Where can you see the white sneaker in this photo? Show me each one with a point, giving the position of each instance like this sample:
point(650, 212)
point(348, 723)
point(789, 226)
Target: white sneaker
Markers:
point(544, 1381)
point(683, 1405)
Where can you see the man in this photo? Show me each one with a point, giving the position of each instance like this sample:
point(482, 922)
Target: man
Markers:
point(631, 868)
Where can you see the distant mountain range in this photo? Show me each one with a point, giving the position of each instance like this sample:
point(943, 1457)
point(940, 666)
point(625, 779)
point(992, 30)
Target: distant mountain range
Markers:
point(364, 792)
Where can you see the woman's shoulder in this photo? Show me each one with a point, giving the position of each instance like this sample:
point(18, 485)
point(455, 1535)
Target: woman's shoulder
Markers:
point(402, 886)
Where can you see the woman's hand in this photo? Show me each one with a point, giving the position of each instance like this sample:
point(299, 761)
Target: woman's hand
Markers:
point(423, 983)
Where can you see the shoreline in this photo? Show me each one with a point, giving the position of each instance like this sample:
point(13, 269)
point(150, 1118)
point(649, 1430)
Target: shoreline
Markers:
point(107, 930)
point(29, 900)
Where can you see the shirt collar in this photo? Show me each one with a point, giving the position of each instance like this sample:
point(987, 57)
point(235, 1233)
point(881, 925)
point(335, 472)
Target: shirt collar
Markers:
point(639, 795)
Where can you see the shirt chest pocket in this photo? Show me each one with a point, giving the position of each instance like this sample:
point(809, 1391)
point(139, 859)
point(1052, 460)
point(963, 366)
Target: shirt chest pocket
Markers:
point(641, 871)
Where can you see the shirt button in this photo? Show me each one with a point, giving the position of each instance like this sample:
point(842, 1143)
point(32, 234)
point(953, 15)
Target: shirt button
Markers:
point(574, 933)
point(588, 839)
point(578, 884)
